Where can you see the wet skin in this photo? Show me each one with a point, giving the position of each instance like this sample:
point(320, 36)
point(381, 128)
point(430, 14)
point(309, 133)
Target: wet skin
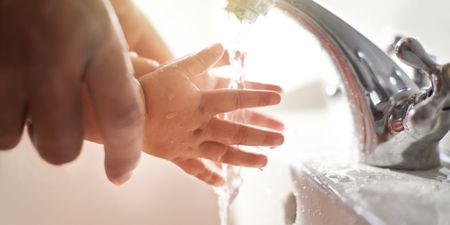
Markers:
point(183, 123)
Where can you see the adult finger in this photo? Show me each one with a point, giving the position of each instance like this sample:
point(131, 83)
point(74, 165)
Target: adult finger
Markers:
point(198, 169)
point(13, 110)
point(221, 101)
point(259, 119)
point(219, 152)
point(231, 133)
point(118, 106)
point(55, 111)
point(199, 63)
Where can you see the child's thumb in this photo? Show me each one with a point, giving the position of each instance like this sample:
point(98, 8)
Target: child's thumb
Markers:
point(197, 64)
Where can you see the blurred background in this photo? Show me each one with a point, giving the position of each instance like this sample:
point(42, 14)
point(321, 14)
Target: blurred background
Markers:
point(280, 52)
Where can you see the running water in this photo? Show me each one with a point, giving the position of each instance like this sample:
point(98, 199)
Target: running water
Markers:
point(232, 174)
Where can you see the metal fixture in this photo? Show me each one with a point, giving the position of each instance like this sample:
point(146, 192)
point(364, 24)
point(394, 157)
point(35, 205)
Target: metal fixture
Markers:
point(399, 124)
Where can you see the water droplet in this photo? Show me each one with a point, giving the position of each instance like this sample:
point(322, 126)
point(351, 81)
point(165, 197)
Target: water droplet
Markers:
point(435, 187)
point(171, 115)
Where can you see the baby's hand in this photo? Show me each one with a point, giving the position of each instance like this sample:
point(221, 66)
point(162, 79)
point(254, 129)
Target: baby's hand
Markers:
point(182, 123)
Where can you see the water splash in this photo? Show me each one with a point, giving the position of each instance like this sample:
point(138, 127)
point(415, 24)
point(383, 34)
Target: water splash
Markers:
point(171, 115)
point(232, 174)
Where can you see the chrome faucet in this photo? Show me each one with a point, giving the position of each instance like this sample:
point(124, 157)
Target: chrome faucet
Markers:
point(399, 125)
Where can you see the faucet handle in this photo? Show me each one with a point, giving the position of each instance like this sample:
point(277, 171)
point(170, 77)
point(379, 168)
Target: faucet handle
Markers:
point(411, 52)
point(429, 116)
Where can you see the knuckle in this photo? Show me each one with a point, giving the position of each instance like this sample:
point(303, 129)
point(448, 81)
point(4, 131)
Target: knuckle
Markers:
point(204, 175)
point(205, 131)
point(198, 134)
point(236, 98)
point(203, 147)
point(200, 61)
point(201, 109)
point(225, 156)
point(240, 136)
point(126, 118)
point(177, 160)
point(164, 155)
point(204, 105)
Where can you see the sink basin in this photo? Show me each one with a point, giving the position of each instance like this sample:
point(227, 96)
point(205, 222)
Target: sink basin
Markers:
point(311, 181)
point(336, 193)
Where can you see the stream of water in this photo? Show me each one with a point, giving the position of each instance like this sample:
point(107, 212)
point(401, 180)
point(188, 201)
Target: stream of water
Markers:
point(232, 174)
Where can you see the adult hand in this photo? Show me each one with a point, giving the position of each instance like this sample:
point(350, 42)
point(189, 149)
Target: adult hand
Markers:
point(49, 50)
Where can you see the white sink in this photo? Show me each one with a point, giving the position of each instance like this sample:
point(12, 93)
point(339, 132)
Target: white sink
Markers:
point(332, 193)
point(314, 179)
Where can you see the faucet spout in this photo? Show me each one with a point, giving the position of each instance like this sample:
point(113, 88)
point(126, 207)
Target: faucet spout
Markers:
point(399, 125)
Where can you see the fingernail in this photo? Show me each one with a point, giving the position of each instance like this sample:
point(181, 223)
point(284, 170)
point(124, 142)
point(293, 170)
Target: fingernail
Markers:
point(263, 162)
point(219, 183)
point(275, 99)
point(278, 140)
point(122, 179)
point(216, 49)
point(278, 89)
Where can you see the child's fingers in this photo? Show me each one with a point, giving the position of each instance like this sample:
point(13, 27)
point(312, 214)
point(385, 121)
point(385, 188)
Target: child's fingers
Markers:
point(226, 154)
point(199, 63)
point(263, 86)
point(225, 60)
point(220, 82)
point(221, 101)
point(258, 119)
point(198, 169)
point(231, 133)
